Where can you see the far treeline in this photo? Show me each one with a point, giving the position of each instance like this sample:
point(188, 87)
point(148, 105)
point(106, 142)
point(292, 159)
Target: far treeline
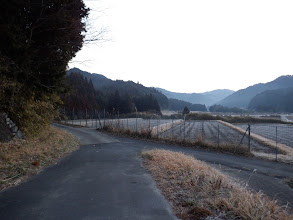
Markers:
point(84, 97)
point(123, 98)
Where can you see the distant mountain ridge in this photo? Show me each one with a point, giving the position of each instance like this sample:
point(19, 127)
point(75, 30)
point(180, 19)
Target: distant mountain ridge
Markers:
point(242, 98)
point(259, 97)
point(98, 80)
point(279, 100)
point(108, 86)
point(206, 98)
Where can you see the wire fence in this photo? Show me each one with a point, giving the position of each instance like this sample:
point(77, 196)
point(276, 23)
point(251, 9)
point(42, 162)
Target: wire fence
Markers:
point(267, 138)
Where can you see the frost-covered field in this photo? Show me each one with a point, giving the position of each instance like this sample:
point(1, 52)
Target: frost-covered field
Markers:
point(281, 133)
point(212, 132)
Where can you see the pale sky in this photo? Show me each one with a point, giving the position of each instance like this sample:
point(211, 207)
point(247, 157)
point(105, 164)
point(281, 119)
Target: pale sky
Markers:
point(191, 45)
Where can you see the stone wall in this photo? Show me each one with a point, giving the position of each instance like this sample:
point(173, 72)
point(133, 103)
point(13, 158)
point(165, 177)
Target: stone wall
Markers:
point(8, 129)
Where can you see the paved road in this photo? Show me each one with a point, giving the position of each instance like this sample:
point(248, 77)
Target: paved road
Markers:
point(260, 175)
point(104, 179)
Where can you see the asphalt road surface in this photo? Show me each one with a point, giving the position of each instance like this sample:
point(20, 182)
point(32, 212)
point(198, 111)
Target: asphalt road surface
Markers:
point(104, 179)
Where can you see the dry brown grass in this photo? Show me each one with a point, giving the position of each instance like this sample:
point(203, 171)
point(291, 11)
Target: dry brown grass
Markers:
point(198, 191)
point(20, 159)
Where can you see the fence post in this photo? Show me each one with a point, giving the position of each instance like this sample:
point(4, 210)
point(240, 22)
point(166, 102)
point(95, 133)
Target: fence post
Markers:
point(202, 130)
point(184, 129)
point(86, 117)
point(72, 115)
point(166, 126)
point(249, 138)
point(104, 117)
point(149, 124)
point(127, 122)
point(80, 115)
point(64, 115)
point(157, 128)
point(136, 122)
point(92, 120)
point(218, 134)
point(96, 117)
point(172, 129)
point(118, 120)
point(100, 124)
point(276, 143)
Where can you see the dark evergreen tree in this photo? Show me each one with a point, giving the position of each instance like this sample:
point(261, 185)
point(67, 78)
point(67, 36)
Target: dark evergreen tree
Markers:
point(114, 103)
point(82, 96)
point(37, 40)
point(185, 111)
point(147, 103)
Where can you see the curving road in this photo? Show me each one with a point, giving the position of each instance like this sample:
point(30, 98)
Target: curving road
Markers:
point(104, 179)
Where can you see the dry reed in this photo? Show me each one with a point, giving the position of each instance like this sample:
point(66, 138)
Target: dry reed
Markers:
point(198, 191)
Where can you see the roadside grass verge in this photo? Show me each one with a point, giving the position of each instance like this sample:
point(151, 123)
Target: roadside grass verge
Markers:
point(198, 191)
point(148, 134)
point(20, 159)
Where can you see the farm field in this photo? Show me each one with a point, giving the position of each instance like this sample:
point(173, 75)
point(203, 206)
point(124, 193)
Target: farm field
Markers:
point(132, 124)
point(211, 132)
point(281, 133)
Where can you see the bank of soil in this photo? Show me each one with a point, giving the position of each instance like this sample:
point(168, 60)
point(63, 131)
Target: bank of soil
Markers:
point(20, 159)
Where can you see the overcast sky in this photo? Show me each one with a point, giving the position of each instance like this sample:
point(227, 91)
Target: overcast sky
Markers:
point(191, 45)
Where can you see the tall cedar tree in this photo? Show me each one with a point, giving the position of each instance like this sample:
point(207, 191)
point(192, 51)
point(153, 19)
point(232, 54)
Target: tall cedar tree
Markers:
point(147, 103)
point(37, 40)
point(83, 97)
point(185, 111)
point(119, 104)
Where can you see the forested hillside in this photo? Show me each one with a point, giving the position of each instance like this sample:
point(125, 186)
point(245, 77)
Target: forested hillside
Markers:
point(178, 105)
point(85, 97)
point(280, 100)
point(242, 98)
point(129, 88)
point(223, 109)
point(37, 40)
point(97, 92)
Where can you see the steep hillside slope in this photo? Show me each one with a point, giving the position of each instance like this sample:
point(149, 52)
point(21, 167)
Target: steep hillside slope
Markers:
point(108, 86)
point(242, 98)
point(280, 100)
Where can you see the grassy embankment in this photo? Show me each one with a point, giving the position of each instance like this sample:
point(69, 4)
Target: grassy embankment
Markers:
point(20, 159)
point(198, 191)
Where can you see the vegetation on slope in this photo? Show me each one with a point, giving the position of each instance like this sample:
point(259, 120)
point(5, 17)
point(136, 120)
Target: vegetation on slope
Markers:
point(242, 98)
point(223, 109)
point(20, 159)
point(37, 40)
point(129, 88)
point(178, 105)
point(84, 97)
point(280, 100)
